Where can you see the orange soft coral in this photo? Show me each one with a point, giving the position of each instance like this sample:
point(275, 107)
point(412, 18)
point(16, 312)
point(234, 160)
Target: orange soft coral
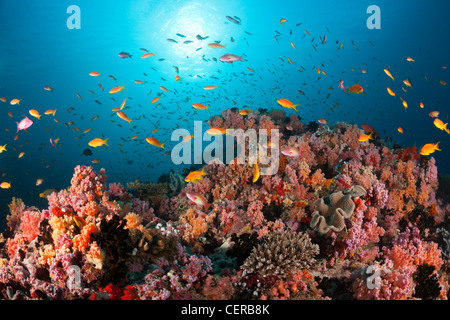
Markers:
point(134, 221)
point(195, 224)
point(81, 241)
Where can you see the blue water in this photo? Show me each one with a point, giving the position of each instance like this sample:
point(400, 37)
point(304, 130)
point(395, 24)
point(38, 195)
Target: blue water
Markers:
point(37, 49)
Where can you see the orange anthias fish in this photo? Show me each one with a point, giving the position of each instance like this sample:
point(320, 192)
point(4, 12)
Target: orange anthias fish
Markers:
point(195, 175)
point(406, 82)
point(410, 59)
point(256, 173)
point(429, 148)
point(15, 101)
point(155, 99)
point(155, 142)
point(356, 88)
point(421, 105)
point(98, 142)
point(392, 93)
point(323, 121)
point(94, 74)
point(123, 116)
point(244, 112)
point(400, 129)
point(285, 103)
point(200, 106)
point(146, 55)
point(188, 138)
point(5, 185)
point(388, 73)
point(216, 131)
point(52, 112)
point(282, 21)
point(216, 45)
point(116, 89)
point(210, 87)
point(365, 137)
point(405, 105)
point(35, 114)
point(441, 125)
point(164, 89)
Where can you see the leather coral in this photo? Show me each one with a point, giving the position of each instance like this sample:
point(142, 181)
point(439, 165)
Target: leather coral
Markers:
point(331, 211)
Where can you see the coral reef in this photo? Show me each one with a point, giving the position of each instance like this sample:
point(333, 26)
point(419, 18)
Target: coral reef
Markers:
point(344, 220)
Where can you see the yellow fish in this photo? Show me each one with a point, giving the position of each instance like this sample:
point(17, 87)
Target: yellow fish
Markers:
point(404, 104)
point(256, 173)
point(245, 112)
point(35, 114)
point(3, 148)
point(116, 89)
point(365, 137)
point(388, 73)
point(216, 131)
point(195, 175)
point(429, 148)
point(200, 106)
point(285, 103)
point(97, 142)
point(5, 185)
point(441, 125)
point(392, 93)
point(155, 142)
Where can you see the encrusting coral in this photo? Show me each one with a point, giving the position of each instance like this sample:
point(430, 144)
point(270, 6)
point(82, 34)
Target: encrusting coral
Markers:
point(317, 229)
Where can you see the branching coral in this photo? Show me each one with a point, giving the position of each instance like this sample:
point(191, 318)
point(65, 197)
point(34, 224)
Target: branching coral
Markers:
point(282, 253)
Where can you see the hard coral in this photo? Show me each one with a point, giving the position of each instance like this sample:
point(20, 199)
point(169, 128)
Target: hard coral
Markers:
point(282, 253)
